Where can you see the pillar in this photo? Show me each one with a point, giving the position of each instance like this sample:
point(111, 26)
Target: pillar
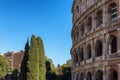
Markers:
point(118, 71)
point(104, 15)
point(104, 73)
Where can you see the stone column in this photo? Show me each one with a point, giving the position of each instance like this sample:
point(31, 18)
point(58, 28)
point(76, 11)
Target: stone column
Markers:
point(93, 49)
point(85, 26)
point(104, 47)
point(119, 8)
point(93, 21)
point(104, 73)
point(79, 31)
point(118, 71)
point(84, 49)
point(72, 60)
point(107, 72)
point(85, 53)
point(12, 60)
point(104, 15)
point(79, 76)
point(79, 56)
point(74, 17)
point(74, 77)
point(108, 47)
point(118, 41)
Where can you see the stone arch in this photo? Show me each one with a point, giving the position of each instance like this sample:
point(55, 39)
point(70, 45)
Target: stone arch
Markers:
point(75, 58)
point(77, 9)
point(113, 43)
point(99, 18)
point(113, 75)
point(81, 54)
point(89, 51)
point(89, 76)
point(98, 48)
point(113, 12)
point(77, 76)
point(89, 24)
point(81, 76)
point(78, 33)
point(99, 75)
point(82, 29)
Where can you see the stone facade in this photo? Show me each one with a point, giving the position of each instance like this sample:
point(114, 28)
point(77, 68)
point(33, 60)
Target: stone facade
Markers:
point(95, 35)
point(15, 59)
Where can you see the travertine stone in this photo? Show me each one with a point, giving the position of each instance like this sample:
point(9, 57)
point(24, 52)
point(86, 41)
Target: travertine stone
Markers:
point(103, 66)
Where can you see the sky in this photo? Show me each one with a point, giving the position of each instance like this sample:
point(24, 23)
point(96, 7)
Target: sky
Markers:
point(49, 19)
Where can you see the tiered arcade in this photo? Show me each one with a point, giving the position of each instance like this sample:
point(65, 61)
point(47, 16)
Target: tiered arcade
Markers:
point(95, 34)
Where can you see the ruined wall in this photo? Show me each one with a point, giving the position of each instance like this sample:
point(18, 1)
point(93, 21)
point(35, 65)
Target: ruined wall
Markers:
point(15, 59)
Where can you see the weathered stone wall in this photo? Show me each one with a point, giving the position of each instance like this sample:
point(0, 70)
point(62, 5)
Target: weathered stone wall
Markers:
point(15, 59)
point(105, 29)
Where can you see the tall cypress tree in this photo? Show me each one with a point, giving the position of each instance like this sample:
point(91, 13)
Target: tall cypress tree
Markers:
point(33, 62)
point(24, 69)
point(42, 61)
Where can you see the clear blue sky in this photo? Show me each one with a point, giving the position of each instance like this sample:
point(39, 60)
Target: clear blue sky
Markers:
point(49, 19)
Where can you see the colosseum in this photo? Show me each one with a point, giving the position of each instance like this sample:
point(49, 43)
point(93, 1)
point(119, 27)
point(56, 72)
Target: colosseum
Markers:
point(95, 35)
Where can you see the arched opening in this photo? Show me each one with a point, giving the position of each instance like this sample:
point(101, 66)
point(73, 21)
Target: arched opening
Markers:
point(81, 54)
point(113, 75)
point(74, 34)
point(89, 24)
point(77, 76)
point(77, 34)
point(99, 18)
point(98, 48)
point(81, 76)
point(89, 76)
point(77, 8)
point(82, 29)
point(113, 11)
point(113, 44)
point(88, 51)
point(99, 75)
point(76, 58)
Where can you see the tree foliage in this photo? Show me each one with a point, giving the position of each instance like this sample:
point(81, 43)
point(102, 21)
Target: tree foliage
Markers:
point(14, 75)
point(59, 70)
point(50, 70)
point(4, 66)
point(24, 68)
point(42, 69)
point(35, 66)
point(64, 71)
point(33, 62)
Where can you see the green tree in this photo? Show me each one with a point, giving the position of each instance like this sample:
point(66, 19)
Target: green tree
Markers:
point(64, 72)
point(24, 69)
point(33, 62)
point(4, 66)
point(50, 70)
point(14, 75)
point(59, 71)
point(42, 69)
